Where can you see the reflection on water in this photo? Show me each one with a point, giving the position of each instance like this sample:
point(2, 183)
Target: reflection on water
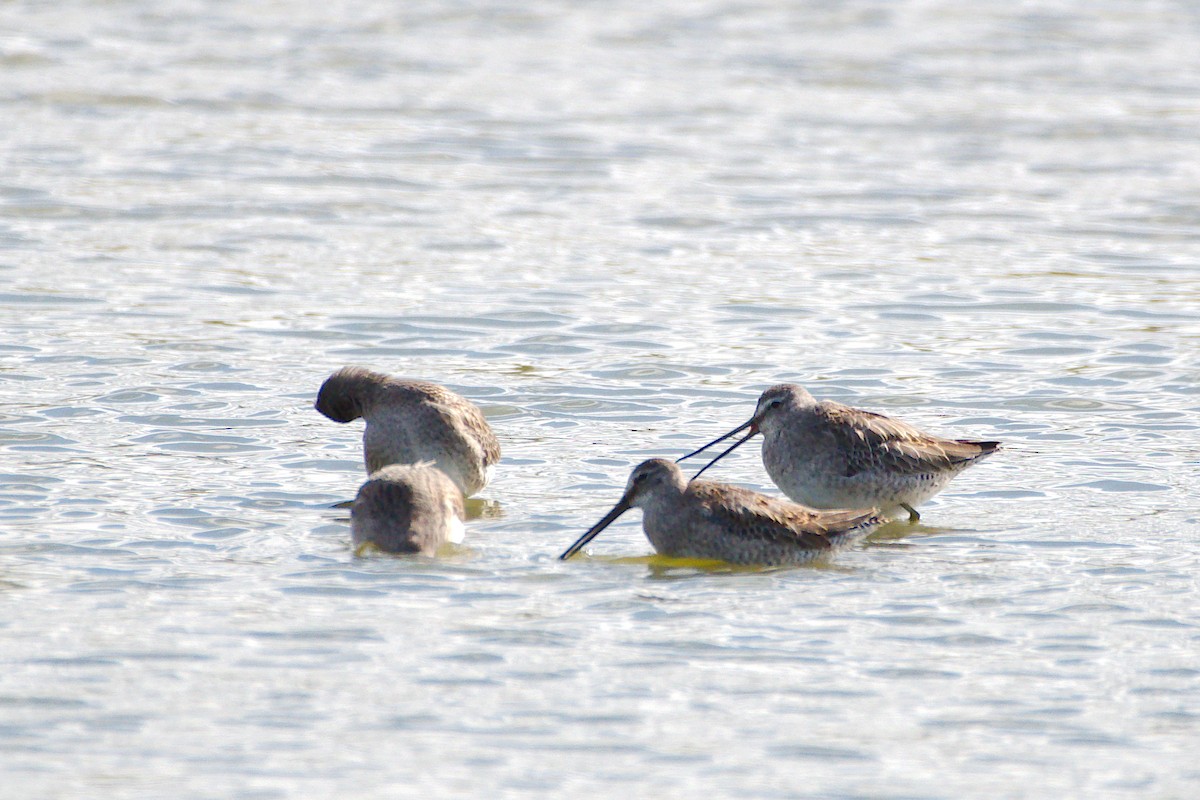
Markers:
point(610, 229)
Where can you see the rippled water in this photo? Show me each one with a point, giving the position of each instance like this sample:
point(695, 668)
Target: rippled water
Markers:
point(611, 225)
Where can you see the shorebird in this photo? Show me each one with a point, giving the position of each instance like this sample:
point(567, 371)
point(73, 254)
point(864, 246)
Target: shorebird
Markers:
point(407, 508)
point(709, 520)
point(411, 421)
point(827, 455)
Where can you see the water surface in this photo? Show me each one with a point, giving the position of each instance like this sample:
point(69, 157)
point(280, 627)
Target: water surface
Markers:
point(611, 226)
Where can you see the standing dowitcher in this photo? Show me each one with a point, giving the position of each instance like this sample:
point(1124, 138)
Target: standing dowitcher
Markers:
point(407, 508)
point(410, 421)
point(709, 520)
point(827, 455)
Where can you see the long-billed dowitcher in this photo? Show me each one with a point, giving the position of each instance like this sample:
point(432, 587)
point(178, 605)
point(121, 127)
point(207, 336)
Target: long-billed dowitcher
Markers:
point(410, 421)
point(407, 508)
point(827, 455)
point(709, 520)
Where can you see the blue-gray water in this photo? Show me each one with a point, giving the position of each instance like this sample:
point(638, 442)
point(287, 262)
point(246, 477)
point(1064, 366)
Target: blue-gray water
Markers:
point(611, 225)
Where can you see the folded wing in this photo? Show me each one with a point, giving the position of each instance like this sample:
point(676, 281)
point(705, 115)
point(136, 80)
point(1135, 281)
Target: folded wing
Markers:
point(875, 442)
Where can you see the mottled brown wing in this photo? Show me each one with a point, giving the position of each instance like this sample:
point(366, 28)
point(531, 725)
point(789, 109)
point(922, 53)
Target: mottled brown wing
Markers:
point(757, 516)
point(874, 442)
point(483, 434)
point(432, 483)
point(454, 407)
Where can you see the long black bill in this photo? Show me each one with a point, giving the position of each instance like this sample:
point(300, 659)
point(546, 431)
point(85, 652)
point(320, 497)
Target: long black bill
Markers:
point(753, 432)
point(594, 531)
point(718, 440)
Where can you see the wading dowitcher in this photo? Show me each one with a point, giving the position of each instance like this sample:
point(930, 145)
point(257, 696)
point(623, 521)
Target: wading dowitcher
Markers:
point(827, 455)
point(407, 508)
point(709, 520)
point(410, 421)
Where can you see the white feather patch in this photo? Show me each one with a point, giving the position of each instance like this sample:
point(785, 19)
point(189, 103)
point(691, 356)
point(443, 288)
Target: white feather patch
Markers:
point(455, 530)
